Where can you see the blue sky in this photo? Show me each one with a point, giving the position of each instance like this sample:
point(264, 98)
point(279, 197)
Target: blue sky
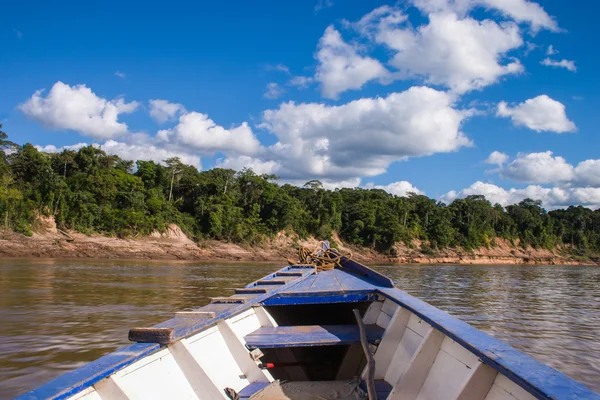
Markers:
point(445, 97)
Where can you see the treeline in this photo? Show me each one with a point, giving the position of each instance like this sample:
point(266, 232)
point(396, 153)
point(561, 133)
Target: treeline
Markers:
point(90, 191)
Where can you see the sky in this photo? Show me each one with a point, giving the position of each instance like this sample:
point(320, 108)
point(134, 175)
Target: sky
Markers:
point(447, 98)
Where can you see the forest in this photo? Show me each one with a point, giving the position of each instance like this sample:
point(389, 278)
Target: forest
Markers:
point(90, 191)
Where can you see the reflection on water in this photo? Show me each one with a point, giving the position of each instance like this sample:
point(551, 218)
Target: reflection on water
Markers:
point(57, 315)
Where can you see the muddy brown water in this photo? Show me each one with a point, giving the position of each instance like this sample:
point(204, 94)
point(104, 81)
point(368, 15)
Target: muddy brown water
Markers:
point(57, 315)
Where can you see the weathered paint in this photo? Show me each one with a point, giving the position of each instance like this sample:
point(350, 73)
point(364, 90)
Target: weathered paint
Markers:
point(310, 335)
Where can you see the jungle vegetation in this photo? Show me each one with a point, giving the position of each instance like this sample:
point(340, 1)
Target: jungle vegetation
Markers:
point(92, 192)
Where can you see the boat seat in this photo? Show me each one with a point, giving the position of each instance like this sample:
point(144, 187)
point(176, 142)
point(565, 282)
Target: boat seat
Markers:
point(310, 335)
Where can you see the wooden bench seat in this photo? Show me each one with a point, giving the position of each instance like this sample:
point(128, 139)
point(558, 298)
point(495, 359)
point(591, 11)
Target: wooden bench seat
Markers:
point(310, 335)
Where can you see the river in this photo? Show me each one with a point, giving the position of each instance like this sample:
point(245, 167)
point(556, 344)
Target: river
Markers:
point(57, 315)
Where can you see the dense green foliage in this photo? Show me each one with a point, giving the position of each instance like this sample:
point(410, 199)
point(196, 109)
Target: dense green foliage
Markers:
point(90, 191)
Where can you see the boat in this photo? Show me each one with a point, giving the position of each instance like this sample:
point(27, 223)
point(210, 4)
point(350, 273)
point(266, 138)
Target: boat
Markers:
point(314, 331)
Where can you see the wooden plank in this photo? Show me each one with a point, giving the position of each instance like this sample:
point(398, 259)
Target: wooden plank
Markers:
point(349, 281)
point(410, 383)
point(288, 273)
point(310, 335)
point(326, 282)
point(227, 300)
point(250, 290)
point(110, 388)
point(264, 317)
point(373, 277)
point(372, 312)
point(202, 385)
point(301, 287)
point(236, 346)
point(151, 335)
point(390, 342)
point(478, 384)
point(271, 282)
point(195, 314)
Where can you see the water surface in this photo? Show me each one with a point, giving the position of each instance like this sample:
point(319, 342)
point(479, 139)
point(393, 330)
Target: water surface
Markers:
point(57, 315)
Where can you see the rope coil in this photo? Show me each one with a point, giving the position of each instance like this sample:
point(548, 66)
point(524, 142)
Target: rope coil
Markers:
point(322, 257)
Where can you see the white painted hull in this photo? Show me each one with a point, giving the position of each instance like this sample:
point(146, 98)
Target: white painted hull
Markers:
point(418, 361)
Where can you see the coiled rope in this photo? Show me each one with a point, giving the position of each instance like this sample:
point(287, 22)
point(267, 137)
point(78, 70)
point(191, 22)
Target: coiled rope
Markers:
point(323, 257)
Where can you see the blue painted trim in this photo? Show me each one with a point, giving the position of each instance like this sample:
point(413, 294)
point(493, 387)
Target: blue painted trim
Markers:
point(374, 277)
point(75, 381)
point(321, 298)
point(538, 379)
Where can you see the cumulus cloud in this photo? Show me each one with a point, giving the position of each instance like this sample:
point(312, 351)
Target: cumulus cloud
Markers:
point(273, 91)
point(587, 173)
point(196, 131)
point(79, 109)
point(341, 67)
point(256, 164)
point(400, 188)
point(570, 65)
point(540, 114)
point(120, 74)
point(162, 110)
point(460, 53)
point(497, 158)
point(539, 168)
point(545, 167)
point(552, 198)
point(131, 151)
point(522, 11)
point(359, 138)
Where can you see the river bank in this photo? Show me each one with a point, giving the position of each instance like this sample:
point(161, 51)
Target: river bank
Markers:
point(175, 245)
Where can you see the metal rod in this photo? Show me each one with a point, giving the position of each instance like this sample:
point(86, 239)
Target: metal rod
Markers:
point(370, 360)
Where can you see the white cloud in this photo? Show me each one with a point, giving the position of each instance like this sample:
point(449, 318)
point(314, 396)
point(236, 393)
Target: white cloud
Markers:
point(544, 167)
point(552, 197)
point(77, 108)
point(497, 158)
point(132, 151)
point(461, 53)
point(362, 137)
point(518, 10)
point(570, 65)
point(162, 111)
point(588, 173)
point(540, 114)
point(341, 67)
point(257, 165)
point(322, 4)
point(400, 188)
point(273, 91)
point(524, 11)
point(120, 74)
point(195, 131)
point(301, 82)
point(539, 168)
point(18, 33)
point(551, 51)
point(278, 67)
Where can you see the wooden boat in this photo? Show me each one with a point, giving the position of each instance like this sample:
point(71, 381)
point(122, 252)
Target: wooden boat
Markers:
point(293, 334)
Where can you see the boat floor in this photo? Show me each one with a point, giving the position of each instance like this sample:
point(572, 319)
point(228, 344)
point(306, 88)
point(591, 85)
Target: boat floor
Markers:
point(307, 390)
